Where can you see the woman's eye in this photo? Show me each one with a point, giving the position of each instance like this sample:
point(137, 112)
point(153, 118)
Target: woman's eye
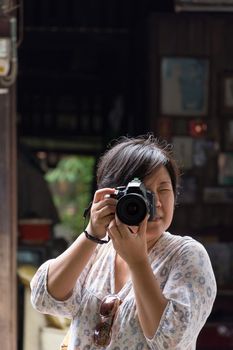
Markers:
point(164, 189)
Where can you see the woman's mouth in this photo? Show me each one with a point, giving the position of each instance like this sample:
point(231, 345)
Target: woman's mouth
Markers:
point(157, 218)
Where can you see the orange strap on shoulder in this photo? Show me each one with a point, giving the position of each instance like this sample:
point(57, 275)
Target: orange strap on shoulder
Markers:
point(65, 342)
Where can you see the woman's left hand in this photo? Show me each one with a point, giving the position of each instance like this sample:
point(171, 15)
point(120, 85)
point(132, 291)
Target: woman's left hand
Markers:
point(131, 246)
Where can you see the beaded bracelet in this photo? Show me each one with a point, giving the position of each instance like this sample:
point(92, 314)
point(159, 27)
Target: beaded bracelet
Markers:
point(95, 239)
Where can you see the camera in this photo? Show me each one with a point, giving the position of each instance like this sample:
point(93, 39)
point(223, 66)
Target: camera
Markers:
point(134, 203)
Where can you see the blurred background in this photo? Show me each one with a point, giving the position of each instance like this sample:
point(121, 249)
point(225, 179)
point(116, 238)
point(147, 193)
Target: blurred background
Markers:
point(75, 75)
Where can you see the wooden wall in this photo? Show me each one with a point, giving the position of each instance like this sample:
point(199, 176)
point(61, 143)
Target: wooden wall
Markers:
point(201, 35)
point(197, 35)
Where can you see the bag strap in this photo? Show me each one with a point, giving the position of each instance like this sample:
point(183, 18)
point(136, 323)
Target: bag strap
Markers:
point(65, 342)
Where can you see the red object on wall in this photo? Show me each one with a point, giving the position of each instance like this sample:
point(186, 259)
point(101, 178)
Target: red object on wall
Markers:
point(197, 128)
point(34, 230)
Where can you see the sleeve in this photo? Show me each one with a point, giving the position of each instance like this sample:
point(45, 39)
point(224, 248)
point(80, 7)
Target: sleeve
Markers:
point(190, 290)
point(44, 302)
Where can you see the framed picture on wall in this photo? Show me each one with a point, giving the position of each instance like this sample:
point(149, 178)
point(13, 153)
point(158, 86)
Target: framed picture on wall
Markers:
point(184, 86)
point(183, 151)
point(225, 168)
point(227, 93)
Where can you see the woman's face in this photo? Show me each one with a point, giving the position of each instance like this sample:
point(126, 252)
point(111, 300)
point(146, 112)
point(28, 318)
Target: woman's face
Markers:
point(160, 183)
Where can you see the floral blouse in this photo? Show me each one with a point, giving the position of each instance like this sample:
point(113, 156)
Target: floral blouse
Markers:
point(183, 269)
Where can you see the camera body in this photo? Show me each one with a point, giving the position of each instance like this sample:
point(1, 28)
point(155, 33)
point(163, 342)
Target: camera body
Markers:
point(134, 203)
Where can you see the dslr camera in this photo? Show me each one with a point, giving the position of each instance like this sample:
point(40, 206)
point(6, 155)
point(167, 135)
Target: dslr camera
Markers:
point(134, 203)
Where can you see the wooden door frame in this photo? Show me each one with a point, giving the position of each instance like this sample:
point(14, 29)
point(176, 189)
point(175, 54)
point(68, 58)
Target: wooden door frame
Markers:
point(8, 220)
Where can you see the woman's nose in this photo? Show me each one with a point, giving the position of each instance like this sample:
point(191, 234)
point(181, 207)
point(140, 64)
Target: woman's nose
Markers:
point(157, 201)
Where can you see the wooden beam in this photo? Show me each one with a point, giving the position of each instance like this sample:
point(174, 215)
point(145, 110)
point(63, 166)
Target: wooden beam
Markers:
point(8, 235)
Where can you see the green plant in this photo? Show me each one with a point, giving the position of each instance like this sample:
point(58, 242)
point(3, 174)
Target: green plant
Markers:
point(71, 185)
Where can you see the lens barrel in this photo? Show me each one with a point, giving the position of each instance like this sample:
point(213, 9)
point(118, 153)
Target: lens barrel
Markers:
point(131, 209)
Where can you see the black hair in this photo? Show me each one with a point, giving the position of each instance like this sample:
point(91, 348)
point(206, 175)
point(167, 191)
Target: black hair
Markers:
point(130, 157)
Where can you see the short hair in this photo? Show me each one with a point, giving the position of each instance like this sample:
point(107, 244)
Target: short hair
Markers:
point(135, 157)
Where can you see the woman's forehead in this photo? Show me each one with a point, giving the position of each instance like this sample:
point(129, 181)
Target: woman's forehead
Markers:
point(159, 175)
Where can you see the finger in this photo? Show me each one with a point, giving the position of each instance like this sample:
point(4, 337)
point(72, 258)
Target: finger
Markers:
point(114, 229)
point(99, 194)
point(106, 210)
point(107, 202)
point(133, 229)
point(142, 226)
point(123, 228)
point(110, 234)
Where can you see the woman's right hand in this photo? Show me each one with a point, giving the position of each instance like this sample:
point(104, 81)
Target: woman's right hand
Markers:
point(65, 269)
point(102, 212)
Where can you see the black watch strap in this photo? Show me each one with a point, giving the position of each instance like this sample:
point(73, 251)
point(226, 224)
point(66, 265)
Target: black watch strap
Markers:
point(95, 239)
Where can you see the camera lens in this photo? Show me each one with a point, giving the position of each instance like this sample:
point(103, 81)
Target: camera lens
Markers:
point(131, 209)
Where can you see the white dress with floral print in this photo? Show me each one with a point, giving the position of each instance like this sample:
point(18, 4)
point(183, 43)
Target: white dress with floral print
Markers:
point(183, 269)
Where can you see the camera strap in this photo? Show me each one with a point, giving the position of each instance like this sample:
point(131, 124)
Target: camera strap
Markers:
point(87, 212)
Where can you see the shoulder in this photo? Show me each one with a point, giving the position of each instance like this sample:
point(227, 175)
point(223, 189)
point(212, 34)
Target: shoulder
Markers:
point(186, 246)
point(191, 262)
point(183, 241)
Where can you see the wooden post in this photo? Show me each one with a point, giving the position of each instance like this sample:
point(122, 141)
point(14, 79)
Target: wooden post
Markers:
point(8, 198)
point(8, 235)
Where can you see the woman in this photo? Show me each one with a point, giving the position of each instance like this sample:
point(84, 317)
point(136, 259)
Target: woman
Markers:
point(143, 289)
